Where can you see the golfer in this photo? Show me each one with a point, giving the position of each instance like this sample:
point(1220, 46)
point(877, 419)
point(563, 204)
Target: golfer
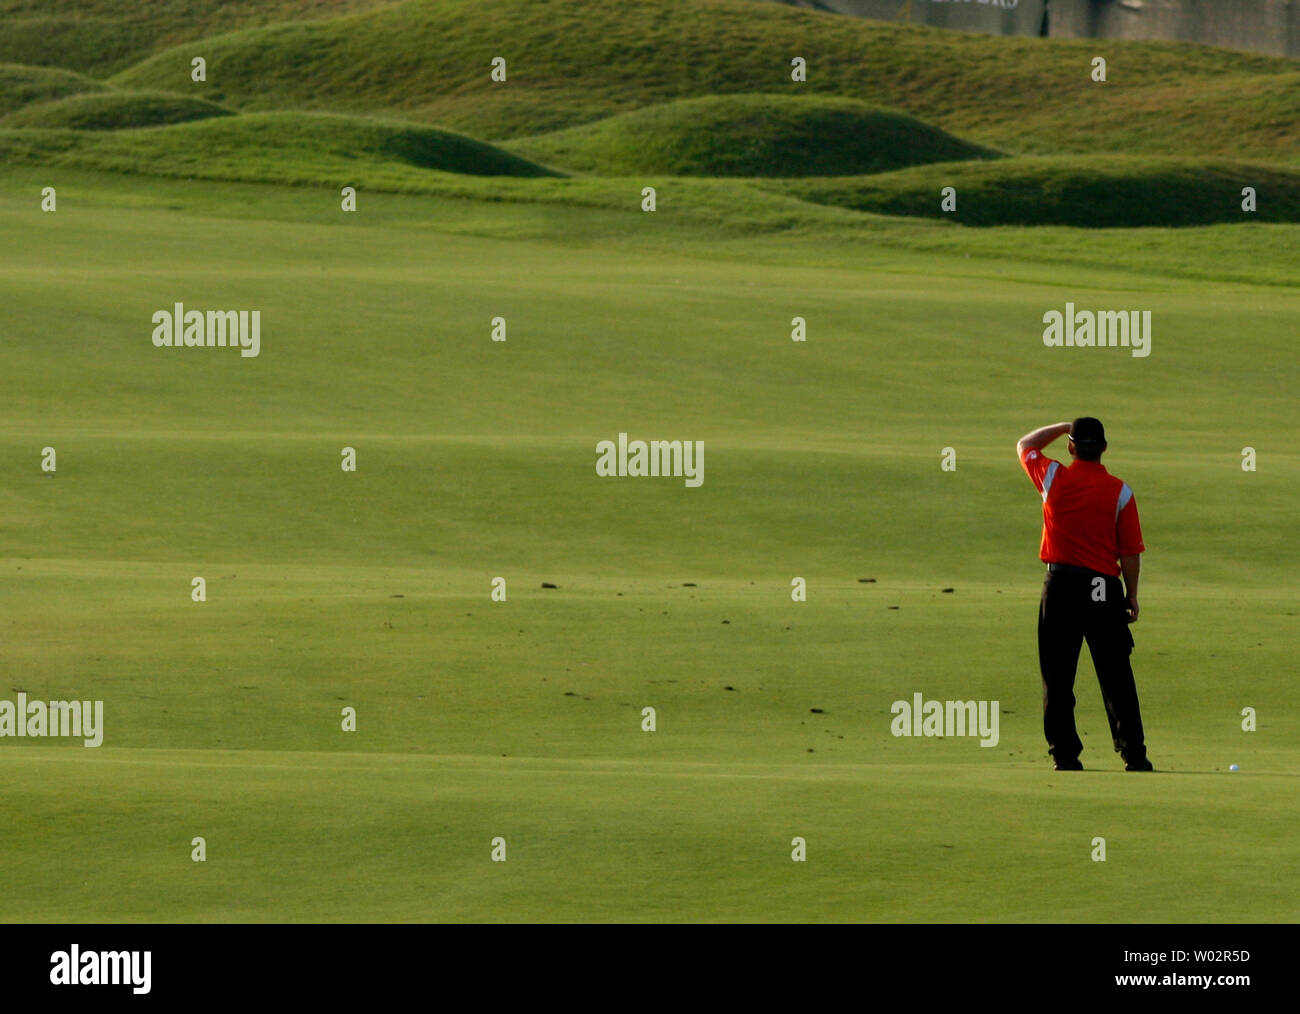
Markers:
point(1091, 534)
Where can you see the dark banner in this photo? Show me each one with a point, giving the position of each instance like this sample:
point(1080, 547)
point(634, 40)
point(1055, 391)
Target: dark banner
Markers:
point(1264, 26)
point(998, 17)
point(1042, 966)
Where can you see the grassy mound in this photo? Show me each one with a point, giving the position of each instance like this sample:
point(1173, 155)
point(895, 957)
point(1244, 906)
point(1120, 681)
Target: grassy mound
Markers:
point(576, 61)
point(1101, 191)
point(114, 111)
point(750, 135)
point(100, 36)
point(21, 85)
point(270, 147)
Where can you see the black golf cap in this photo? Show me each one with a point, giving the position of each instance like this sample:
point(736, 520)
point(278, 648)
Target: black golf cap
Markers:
point(1087, 431)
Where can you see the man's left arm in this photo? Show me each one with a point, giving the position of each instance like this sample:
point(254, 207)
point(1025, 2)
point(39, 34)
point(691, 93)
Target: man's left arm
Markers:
point(1128, 529)
point(1131, 566)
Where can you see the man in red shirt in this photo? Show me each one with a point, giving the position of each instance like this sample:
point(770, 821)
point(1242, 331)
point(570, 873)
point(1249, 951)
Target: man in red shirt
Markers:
point(1091, 534)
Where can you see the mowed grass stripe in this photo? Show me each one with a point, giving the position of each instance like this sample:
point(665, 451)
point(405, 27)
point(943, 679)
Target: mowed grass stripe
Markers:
point(706, 220)
point(894, 845)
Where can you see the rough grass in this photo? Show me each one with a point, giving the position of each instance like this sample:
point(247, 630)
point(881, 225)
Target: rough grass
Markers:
point(273, 147)
point(114, 111)
point(322, 150)
point(21, 85)
point(1099, 191)
point(100, 36)
point(750, 135)
point(575, 61)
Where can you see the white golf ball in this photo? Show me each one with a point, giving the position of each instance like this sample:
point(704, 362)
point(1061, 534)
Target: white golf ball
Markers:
point(1233, 767)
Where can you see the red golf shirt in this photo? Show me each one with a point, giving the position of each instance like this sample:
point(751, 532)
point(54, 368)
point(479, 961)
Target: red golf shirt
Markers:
point(1090, 518)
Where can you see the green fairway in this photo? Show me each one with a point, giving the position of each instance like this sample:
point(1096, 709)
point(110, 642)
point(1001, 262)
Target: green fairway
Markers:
point(358, 837)
point(475, 459)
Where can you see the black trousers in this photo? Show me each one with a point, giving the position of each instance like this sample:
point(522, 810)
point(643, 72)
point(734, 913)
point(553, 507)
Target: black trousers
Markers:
point(1080, 605)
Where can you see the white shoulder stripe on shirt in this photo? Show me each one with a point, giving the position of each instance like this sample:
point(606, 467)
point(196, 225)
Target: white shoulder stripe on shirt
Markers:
point(1051, 474)
point(1125, 495)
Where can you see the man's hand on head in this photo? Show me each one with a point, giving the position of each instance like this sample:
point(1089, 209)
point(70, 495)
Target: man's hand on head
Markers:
point(1041, 437)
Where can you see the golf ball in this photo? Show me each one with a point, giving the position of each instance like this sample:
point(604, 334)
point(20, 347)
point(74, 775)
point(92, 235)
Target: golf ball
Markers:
point(1233, 767)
